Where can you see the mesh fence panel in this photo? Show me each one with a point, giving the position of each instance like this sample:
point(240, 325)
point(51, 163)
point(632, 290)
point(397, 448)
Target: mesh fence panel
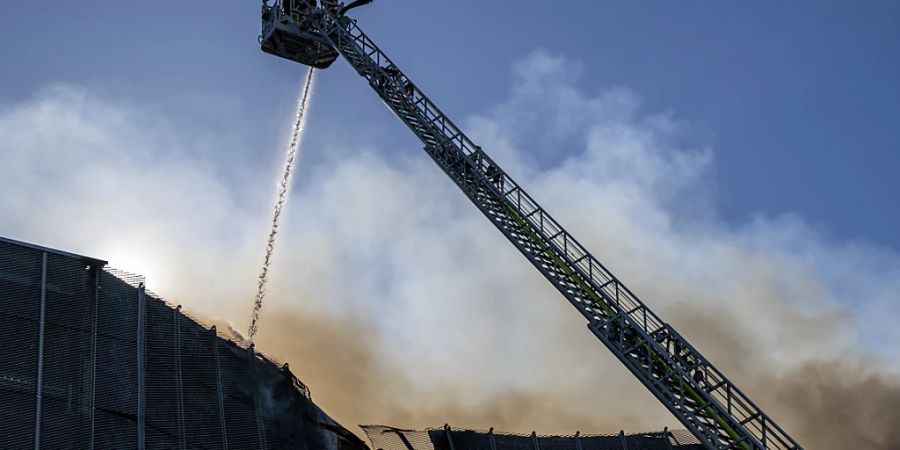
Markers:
point(67, 370)
point(274, 410)
point(601, 443)
point(115, 419)
point(512, 442)
point(461, 439)
point(240, 409)
point(645, 442)
point(198, 371)
point(557, 443)
point(160, 390)
point(20, 292)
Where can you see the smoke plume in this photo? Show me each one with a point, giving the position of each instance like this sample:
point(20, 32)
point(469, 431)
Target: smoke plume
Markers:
point(281, 198)
point(441, 320)
point(398, 303)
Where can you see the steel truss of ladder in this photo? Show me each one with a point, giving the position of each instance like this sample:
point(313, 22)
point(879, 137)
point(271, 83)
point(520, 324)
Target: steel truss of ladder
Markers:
point(695, 391)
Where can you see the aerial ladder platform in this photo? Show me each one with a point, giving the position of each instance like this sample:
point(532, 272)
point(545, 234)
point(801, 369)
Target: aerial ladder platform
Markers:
point(706, 402)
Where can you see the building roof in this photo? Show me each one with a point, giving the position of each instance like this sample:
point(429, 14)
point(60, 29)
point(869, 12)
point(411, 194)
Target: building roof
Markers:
point(93, 261)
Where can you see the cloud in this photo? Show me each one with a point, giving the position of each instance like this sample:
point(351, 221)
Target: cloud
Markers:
point(114, 180)
point(398, 303)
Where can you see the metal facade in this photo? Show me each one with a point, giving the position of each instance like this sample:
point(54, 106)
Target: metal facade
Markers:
point(93, 360)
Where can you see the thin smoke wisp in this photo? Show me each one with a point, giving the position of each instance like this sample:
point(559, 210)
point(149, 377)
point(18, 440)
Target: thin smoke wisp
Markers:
point(281, 198)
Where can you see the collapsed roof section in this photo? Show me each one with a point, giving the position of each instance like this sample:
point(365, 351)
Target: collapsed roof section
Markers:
point(448, 438)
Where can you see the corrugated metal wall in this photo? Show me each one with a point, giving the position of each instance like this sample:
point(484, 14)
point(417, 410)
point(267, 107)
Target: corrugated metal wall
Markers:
point(92, 360)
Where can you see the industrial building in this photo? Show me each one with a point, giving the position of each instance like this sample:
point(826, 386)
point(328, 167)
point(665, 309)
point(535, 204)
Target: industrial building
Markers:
point(91, 359)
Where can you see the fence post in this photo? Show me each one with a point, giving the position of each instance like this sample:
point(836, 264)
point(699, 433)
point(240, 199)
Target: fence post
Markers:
point(219, 391)
point(142, 299)
point(578, 440)
point(405, 441)
point(97, 272)
point(260, 424)
point(622, 437)
point(534, 441)
point(449, 436)
point(178, 387)
point(40, 362)
point(491, 439)
point(666, 435)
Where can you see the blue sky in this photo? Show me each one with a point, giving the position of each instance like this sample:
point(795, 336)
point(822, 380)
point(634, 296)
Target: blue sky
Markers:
point(800, 99)
point(732, 163)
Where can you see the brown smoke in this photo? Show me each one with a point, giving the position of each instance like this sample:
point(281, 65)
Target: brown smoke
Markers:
point(337, 358)
point(840, 405)
point(837, 402)
point(826, 405)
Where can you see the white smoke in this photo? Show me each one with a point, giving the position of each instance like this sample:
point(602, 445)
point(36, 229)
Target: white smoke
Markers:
point(472, 327)
point(397, 302)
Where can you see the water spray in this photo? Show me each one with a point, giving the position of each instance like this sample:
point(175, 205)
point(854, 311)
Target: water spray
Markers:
point(281, 198)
